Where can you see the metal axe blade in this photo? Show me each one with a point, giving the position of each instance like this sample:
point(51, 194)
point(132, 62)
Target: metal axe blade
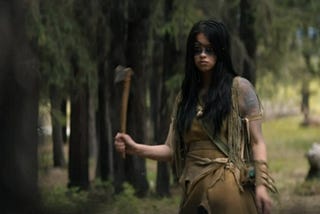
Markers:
point(122, 73)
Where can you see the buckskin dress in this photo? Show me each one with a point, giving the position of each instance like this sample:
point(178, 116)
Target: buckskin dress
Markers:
point(210, 181)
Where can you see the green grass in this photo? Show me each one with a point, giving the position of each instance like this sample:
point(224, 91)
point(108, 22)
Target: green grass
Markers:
point(287, 144)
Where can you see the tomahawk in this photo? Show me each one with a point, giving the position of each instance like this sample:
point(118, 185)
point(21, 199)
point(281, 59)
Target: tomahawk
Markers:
point(123, 74)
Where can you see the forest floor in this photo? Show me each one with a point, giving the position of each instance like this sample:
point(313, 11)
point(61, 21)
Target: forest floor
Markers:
point(287, 144)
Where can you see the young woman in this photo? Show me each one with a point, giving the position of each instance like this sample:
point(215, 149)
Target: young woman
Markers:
point(215, 132)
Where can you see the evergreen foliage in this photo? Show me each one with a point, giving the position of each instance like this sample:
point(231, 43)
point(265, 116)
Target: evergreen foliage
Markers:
point(58, 38)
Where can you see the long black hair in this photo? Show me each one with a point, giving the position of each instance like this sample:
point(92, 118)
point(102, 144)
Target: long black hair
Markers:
point(218, 99)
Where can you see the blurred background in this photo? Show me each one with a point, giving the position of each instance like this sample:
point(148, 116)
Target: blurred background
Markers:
point(60, 104)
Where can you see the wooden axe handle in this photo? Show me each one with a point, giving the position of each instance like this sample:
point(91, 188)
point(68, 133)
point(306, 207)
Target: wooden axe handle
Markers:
point(124, 106)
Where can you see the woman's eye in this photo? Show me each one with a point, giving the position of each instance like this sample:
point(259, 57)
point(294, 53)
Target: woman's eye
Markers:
point(197, 50)
point(209, 51)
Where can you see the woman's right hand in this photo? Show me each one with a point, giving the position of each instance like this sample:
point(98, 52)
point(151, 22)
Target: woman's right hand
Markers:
point(124, 144)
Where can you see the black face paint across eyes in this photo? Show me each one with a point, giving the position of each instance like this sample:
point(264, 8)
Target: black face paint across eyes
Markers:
point(207, 50)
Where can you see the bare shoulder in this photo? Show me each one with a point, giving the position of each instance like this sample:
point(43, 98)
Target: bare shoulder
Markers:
point(248, 100)
point(244, 85)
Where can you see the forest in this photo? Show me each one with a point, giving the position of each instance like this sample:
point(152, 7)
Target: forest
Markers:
point(61, 102)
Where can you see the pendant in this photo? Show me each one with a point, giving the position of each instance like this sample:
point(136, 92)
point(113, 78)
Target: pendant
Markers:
point(199, 110)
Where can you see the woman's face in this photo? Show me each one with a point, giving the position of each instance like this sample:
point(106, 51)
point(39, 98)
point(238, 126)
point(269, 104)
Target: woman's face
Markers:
point(204, 55)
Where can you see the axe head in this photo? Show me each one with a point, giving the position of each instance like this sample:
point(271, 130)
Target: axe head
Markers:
point(122, 73)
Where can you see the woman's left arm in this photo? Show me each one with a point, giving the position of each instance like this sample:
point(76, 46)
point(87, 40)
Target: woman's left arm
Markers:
point(260, 156)
point(250, 108)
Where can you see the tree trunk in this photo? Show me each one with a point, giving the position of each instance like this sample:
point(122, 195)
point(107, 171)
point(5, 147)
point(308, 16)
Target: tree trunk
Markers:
point(92, 129)
point(19, 96)
point(248, 36)
point(78, 149)
point(305, 94)
point(57, 138)
point(156, 86)
point(112, 93)
point(103, 167)
point(138, 31)
point(105, 154)
point(305, 90)
point(64, 125)
point(110, 166)
point(162, 113)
